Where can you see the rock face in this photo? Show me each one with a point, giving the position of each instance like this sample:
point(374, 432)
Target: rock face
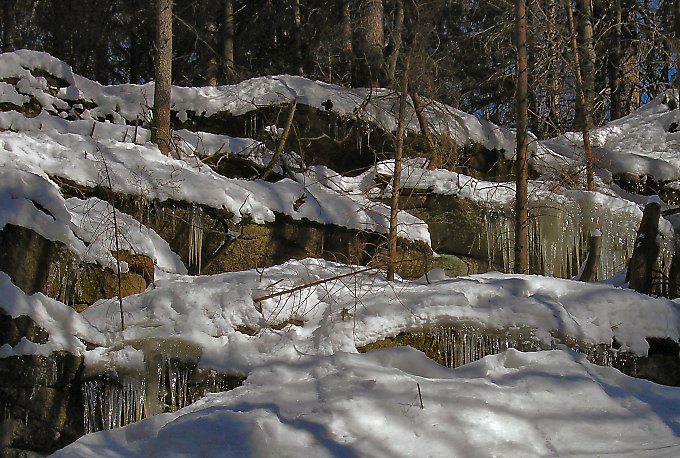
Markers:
point(40, 396)
point(208, 242)
point(36, 264)
point(47, 402)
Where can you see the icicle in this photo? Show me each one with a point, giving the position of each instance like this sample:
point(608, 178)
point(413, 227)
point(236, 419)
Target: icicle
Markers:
point(195, 237)
point(558, 237)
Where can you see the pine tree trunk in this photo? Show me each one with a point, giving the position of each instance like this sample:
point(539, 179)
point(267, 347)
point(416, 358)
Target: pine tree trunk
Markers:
point(522, 153)
point(8, 25)
point(298, 66)
point(584, 26)
point(346, 52)
point(228, 71)
point(615, 69)
point(160, 132)
point(370, 61)
point(581, 103)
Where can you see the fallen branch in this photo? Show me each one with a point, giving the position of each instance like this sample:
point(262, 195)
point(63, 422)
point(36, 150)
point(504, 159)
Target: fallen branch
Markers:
point(309, 285)
point(282, 140)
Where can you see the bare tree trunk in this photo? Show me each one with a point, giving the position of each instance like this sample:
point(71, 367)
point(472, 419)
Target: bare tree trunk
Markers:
point(615, 69)
point(160, 132)
point(646, 251)
point(370, 62)
point(396, 178)
point(396, 40)
point(435, 158)
point(582, 103)
point(228, 71)
point(554, 127)
point(298, 67)
point(594, 249)
point(522, 152)
point(587, 52)
point(282, 141)
point(8, 25)
point(346, 52)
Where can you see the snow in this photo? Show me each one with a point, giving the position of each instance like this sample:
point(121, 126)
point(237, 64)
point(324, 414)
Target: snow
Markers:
point(207, 311)
point(511, 405)
point(308, 390)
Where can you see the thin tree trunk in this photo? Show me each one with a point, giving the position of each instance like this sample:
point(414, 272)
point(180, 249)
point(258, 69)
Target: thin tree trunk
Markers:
point(435, 159)
point(9, 25)
point(587, 52)
point(554, 117)
point(282, 141)
point(298, 67)
point(522, 153)
point(228, 71)
point(396, 39)
point(160, 133)
point(346, 52)
point(582, 103)
point(615, 70)
point(396, 177)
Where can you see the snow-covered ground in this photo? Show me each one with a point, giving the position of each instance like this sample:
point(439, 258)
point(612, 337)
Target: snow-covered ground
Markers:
point(308, 390)
point(545, 404)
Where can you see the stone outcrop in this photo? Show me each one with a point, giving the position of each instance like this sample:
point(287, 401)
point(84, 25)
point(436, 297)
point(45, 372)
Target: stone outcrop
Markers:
point(36, 264)
point(40, 396)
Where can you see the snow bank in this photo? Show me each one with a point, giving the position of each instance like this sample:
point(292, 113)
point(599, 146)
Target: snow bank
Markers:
point(511, 405)
point(342, 314)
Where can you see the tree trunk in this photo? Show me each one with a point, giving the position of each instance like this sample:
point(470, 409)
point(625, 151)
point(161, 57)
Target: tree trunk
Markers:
point(582, 103)
point(9, 25)
point(554, 123)
point(396, 177)
point(589, 272)
point(298, 65)
point(522, 153)
point(370, 61)
point(646, 251)
point(615, 68)
point(587, 52)
point(435, 158)
point(346, 52)
point(396, 40)
point(160, 132)
point(228, 71)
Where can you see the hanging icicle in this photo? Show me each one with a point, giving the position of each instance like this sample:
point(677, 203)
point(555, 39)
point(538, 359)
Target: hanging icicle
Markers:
point(195, 237)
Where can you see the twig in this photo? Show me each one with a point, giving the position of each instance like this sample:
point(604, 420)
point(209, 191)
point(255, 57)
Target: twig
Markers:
point(116, 235)
point(420, 396)
point(309, 285)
